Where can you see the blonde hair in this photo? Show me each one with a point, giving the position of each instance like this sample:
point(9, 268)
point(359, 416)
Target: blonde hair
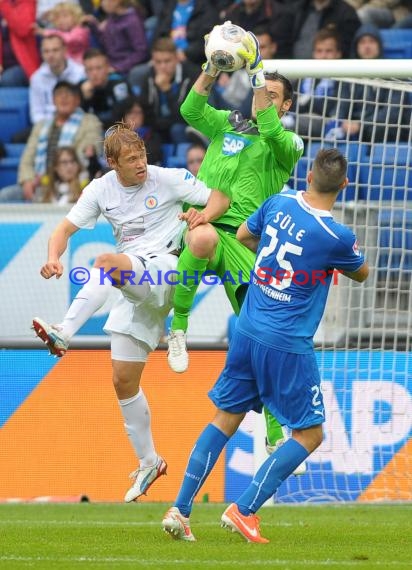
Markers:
point(118, 136)
point(52, 179)
point(74, 9)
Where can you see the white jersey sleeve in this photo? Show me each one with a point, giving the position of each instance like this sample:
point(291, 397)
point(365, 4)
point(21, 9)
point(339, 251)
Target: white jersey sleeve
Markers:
point(86, 211)
point(187, 187)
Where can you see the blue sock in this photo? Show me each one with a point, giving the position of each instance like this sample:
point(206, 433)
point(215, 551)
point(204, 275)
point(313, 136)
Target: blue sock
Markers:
point(270, 475)
point(201, 462)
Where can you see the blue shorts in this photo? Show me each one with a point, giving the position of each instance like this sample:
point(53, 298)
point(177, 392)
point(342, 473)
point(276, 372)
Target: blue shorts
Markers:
point(287, 384)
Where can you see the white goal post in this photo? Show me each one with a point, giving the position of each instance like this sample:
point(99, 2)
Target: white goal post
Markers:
point(365, 338)
point(355, 68)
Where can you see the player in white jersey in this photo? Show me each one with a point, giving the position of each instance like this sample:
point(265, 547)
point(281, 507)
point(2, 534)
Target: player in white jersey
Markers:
point(143, 203)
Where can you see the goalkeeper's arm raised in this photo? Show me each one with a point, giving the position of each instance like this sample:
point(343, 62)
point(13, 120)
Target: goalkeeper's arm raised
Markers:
point(254, 65)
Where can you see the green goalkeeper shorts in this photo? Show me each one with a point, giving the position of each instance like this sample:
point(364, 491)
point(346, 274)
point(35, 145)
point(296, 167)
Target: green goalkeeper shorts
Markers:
point(233, 263)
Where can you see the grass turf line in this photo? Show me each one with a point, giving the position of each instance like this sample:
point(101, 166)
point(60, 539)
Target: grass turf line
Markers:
point(117, 536)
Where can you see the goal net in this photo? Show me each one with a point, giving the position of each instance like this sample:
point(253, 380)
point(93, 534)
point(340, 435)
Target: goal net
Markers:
point(364, 340)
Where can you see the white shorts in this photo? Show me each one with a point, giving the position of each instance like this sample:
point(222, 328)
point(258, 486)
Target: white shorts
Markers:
point(128, 349)
point(144, 319)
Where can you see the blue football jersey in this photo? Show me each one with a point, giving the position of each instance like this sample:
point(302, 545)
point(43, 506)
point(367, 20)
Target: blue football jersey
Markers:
point(300, 250)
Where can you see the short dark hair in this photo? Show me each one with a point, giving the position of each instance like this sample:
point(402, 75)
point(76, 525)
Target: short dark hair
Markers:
point(287, 85)
point(164, 44)
point(53, 37)
point(329, 170)
point(328, 33)
point(72, 87)
point(93, 52)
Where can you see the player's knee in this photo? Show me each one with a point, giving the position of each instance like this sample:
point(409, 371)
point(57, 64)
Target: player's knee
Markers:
point(104, 260)
point(310, 438)
point(125, 385)
point(202, 241)
point(317, 437)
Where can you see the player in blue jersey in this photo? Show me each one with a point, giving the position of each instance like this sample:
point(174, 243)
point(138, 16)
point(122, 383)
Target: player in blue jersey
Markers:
point(271, 359)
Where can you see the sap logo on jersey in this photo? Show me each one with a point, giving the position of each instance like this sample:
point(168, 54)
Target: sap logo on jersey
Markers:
point(150, 202)
point(233, 144)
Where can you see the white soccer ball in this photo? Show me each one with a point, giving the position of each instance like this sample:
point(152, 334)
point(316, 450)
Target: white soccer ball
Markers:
point(222, 45)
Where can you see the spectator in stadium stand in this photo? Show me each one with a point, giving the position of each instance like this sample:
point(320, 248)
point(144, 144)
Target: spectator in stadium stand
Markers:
point(268, 14)
point(44, 6)
point(102, 90)
point(381, 13)
point(194, 157)
point(307, 17)
point(121, 34)
point(66, 21)
point(65, 180)
point(187, 22)
point(366, 112)
point(133, 113)
point(70, 125)
point(56, 67)
point(164, 88)
point(151, 11)
point(403, 15)
point(19, 55)
point(316, 99)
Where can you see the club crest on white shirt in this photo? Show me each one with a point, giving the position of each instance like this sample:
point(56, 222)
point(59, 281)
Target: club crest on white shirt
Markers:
point(151, 202)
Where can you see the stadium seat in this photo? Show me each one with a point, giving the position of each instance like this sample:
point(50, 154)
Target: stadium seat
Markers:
point(14, 111)
point(397, 43)
point(10, 164)
point(395, 242)
point(387, 175)
point(167, 151)
point(176, 162)
point(14, 150)
point(181, 149)
point(8, 171)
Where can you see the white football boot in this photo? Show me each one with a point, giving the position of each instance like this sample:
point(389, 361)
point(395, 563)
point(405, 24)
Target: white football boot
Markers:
point(175, 524)
point(144, 478)
point(51, 336)
point(177, 355)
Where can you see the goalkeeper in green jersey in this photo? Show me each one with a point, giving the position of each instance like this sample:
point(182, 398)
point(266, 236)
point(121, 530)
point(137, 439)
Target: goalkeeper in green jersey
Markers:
point(249, 161)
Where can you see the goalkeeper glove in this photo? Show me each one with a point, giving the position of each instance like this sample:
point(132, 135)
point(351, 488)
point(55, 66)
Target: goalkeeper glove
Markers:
point(210, 69)
point(253, 59)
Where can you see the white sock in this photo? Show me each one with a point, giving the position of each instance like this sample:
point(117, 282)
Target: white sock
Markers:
point(136, 413)
point(88, 300)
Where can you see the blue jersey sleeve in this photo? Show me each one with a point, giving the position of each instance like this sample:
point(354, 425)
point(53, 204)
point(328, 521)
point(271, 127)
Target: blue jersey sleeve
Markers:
point(346, 255)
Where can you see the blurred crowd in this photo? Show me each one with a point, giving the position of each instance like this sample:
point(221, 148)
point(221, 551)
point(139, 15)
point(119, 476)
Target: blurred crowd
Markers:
point(89, 63)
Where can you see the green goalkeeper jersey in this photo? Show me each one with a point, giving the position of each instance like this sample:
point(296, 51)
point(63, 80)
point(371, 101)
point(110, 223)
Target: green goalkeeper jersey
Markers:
point(247, 161)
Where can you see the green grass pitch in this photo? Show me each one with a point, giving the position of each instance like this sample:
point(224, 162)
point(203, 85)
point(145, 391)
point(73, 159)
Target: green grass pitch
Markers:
point(116, 536)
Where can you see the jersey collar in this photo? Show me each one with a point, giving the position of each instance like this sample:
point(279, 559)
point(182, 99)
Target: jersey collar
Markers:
point(314, 211)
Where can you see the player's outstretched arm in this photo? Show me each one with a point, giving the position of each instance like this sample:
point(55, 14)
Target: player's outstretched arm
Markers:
point(206, 79)
point(216, 206)
point(254, 67)
point(204, 83)
point(360, 275)
point(253, 60)
point(249, 240)
point(57, 246)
